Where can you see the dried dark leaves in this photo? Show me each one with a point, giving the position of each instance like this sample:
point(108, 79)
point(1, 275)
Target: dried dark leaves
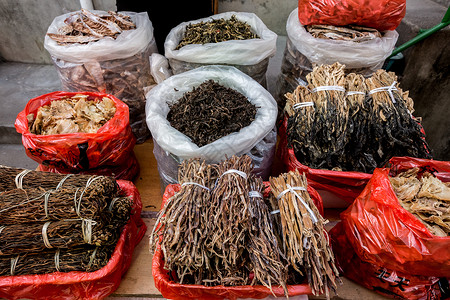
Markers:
point(216, 31)
point(211, 111)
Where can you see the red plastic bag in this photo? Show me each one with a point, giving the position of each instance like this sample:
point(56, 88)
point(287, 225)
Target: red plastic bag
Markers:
point(111, 145)
point(84, 285)
point(382, 233)
point(379, 14)
point(175, 291)
point(384, 281)
point(344, 185)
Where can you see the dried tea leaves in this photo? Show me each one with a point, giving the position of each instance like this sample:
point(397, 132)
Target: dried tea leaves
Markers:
point(346, 122)
point(80, 113)
point(426, 197)
point(216, 31)
point(351, 33)
point(211, 111)
point(85, 26)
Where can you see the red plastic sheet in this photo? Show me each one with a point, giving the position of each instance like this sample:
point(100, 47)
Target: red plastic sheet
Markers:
point(175, 291)
point(382, 233)
point(111, 145)
point(84, 285)
point(380, 14)
point(384, 281)
point(344, 185)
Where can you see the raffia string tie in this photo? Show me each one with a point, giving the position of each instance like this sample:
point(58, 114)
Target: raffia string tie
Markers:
point(328, 88)
point(60, 184)
point(44, 235)
point(14, 264)
point(91, 260)
point(197, 184)
point(302, 104)
point(293, 190)
point(57, 260)
point(388, 89)
point(19, 178)
point(255, 194)
point(351, 93)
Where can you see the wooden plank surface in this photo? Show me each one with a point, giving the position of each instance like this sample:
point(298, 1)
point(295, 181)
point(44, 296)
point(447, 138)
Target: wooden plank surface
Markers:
point(138, 281)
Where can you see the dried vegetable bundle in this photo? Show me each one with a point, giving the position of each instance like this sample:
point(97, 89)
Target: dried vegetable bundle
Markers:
point(303, 236)
point(211, 111)
point(85, 26)
point(217, 229)
point(15, 178)
point(352, 33)
point(338, 115)
point(216, 31)
point(85, 259)
point(426, 197)
point(79, 113)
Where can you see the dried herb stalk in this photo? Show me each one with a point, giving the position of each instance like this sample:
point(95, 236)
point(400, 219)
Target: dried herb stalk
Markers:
point(216, 31)
point(85, 259)
point(211, 111)
point(303, 235)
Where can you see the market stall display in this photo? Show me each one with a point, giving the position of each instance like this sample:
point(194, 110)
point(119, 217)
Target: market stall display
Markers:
point(171, 146)
point(361, 50)
point(79, 132)
point(77, 41)
point(240, 253)
point(239, 39)
point(70, 270)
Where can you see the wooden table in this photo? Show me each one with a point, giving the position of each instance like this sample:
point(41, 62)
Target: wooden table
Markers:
point(138, 281)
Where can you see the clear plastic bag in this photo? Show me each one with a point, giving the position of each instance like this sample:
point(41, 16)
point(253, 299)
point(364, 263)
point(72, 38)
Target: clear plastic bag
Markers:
point(172, 147)
point(249, 56)
point(120, 66)
point(303, 51)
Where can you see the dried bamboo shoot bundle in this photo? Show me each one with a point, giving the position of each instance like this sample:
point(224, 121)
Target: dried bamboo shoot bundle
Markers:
point(269, 263)
point(14, 178)
point(306, 246)
point(84, 259)
point(181, 224)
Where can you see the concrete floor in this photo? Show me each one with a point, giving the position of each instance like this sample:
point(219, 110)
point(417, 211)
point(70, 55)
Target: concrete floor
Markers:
point(20, 82)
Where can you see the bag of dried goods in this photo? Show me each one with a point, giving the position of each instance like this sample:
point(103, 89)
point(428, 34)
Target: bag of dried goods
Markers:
point(361, 50)
point(105, 52)
point(400, 223)
point(211, 112)
point(379, 14)
point(239, 39)
point(87, 133)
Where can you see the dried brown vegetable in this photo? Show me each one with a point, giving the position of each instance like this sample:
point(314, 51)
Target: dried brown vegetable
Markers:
point(351, 33)
point(303, 235)
point(217, 229)
point(85, 259)
point(426, 197)
point(210, 111)
point(216, 31)
point(85, 26)
point(80, 113)
point(350, 123)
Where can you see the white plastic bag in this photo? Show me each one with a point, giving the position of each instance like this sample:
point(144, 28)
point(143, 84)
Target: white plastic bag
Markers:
point(303, 51)
point(172, 147)
point(120, 66)
point(250, 56)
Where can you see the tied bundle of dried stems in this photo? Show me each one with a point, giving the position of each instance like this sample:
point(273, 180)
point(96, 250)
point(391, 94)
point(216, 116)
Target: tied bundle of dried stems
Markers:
point(213, 232)
point(85, 259)
point(303, 236)
point(211, 111)
point(181, 226)
point(351, 33)
point(216, 31)
point(426, 197)
point(14, 178)
point(350, 123)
